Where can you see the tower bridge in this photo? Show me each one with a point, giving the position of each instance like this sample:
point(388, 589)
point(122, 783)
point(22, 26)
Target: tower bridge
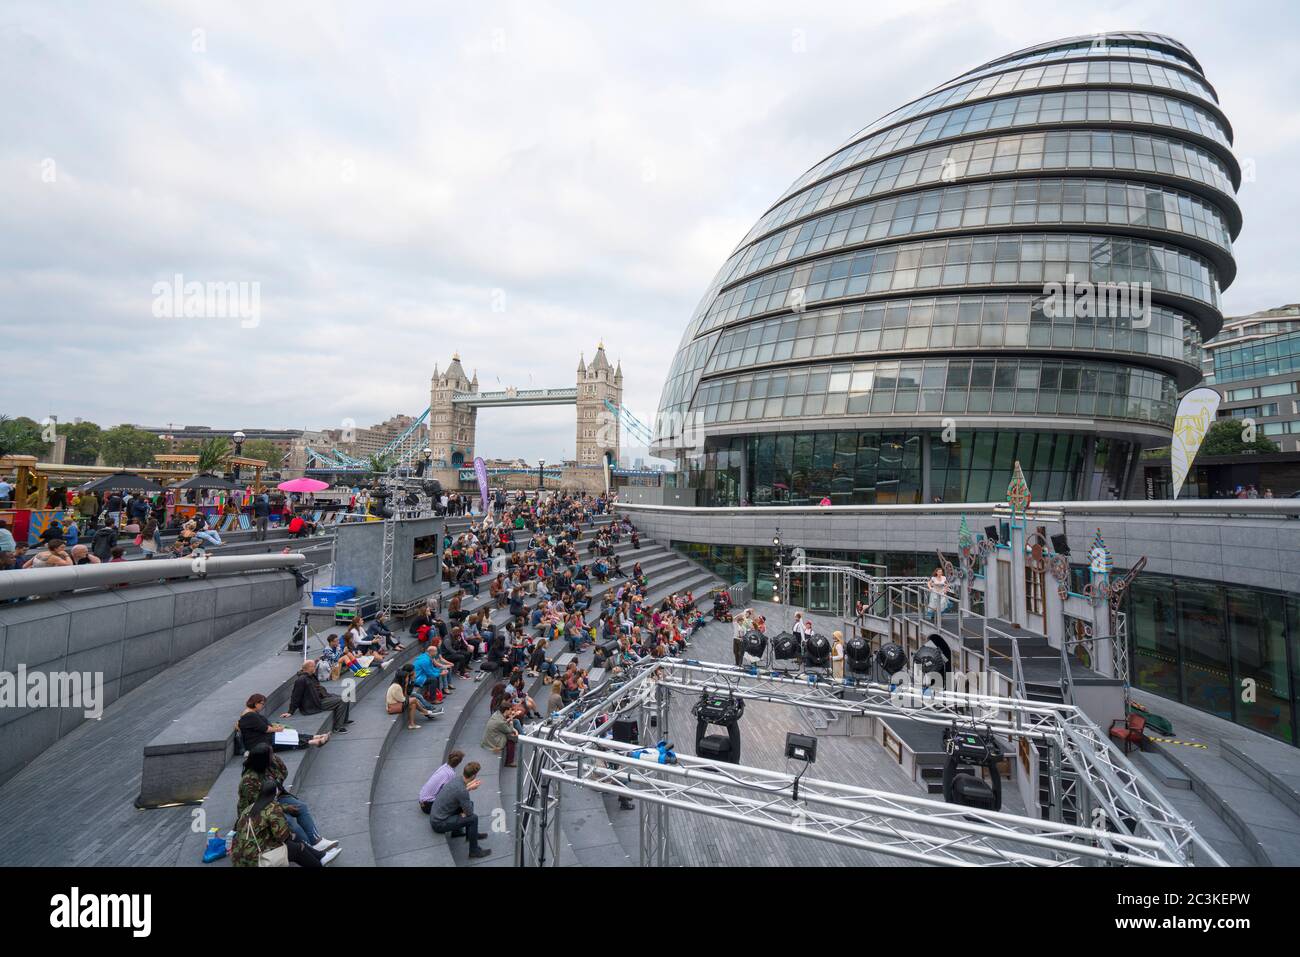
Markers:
point(455, 398)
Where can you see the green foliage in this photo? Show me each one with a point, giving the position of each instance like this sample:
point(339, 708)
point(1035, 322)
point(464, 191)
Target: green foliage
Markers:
point(22, 436)
point(380, 464)
point(213, 454)
point(1225, 438)
point(265, 450)
point(83, 442)
point(125, 446)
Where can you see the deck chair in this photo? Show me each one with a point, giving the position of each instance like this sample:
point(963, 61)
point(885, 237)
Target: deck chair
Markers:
point(1130, 731)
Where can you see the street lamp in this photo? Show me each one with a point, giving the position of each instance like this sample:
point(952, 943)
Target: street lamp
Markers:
point(776, 549)
point(541, 464)
point(239, 450)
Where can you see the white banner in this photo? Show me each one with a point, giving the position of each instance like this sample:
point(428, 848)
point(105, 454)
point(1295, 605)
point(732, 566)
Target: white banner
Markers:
point(1195, 416)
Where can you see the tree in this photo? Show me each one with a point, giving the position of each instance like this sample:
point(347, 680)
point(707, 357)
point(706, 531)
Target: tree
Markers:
point(22, 436)
point(1226, 437)
point(380, 464)
point(83, 442)
point(213, 455)
point(265, 450)
point(125, 446)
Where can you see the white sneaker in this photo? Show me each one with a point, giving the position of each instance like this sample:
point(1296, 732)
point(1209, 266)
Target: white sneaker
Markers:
point(332, 853)
point(324, 844)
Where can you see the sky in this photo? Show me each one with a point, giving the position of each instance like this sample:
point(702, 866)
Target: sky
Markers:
point(389, 183)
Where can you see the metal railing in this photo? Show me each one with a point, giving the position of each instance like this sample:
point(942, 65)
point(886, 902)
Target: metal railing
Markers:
point(43, 582)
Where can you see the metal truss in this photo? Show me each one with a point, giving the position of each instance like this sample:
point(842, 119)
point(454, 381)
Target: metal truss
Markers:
point(1132, 823)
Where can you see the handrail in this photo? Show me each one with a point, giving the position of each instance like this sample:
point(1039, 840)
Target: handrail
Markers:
point(1272, 507)
point(1067, 676)
point(42, 582)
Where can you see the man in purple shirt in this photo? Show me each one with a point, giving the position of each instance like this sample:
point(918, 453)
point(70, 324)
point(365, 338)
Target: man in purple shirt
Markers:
point(438, 779)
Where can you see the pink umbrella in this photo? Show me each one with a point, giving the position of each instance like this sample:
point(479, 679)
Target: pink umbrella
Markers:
point(303, 485)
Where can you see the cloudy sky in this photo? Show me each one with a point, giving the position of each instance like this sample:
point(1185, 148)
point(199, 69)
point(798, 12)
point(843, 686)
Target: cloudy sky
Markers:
point(513, 181)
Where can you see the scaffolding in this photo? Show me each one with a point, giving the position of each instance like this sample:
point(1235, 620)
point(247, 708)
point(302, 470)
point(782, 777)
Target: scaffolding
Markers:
point(1133, 825)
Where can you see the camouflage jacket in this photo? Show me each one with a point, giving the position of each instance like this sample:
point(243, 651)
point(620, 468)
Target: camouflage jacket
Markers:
point(255, 837)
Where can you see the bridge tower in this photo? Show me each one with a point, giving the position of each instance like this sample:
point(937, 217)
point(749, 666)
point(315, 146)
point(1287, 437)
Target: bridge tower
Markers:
point(597, 427)
point(451, 426)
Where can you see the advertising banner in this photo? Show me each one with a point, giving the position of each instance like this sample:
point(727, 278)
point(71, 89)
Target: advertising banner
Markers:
point(1195, 416)
point(480, 470)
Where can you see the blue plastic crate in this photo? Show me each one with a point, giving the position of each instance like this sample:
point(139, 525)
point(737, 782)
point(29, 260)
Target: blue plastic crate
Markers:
point(331, 596)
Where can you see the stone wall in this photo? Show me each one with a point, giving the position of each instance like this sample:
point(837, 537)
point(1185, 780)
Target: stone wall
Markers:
point(127, 635)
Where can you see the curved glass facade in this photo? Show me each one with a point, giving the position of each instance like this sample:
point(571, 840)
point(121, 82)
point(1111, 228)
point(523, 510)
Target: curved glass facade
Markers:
point(1004, 155)
point(910, 283)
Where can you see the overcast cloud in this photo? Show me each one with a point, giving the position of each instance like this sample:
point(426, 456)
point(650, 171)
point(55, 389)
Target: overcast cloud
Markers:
point(515, 181)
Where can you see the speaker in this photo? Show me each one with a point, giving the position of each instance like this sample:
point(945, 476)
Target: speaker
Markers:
point(626, 731)
point(1060, 545)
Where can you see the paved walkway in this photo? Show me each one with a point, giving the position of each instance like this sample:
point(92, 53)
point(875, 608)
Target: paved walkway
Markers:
point(74, 805)
point(1245, 821)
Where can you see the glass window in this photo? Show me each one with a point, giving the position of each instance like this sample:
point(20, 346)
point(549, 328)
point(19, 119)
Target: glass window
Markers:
point(1207, 676)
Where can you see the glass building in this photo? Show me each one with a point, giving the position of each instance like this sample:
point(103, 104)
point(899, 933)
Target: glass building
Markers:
point(1255, 364)
point(1021, 265)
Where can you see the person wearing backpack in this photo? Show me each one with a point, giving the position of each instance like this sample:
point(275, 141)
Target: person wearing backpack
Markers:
point(263, 838)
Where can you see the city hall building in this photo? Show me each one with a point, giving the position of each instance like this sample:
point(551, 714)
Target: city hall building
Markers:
point(937, 298)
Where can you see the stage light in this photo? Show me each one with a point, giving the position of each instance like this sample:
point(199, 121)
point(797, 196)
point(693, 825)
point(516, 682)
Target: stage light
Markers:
point(991, 533)
point(817, 652)
point(892, 658)
point(785, 647)
point(801, 747)
point(755, 644)
point(716, 707)
point(857, 655)
point(930, 660)
point(1060, 545)
point(724, 710)
point(970, 748)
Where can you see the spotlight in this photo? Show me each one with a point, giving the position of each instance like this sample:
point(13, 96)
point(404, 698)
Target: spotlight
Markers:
point(755, 644)
point(724, 710)
point(412, 500)
point(801, 747)
point(1060, 545)
point(432, 488)
point(930, 660)
point(892, 658)
point(857, 654)
point(968, 748)
point(817, 652)
point(718, 708)
point(991, 533)
point(784, 647)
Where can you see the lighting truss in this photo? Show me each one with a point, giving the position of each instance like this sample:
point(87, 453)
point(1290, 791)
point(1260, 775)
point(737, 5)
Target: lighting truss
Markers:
point(1134, 825)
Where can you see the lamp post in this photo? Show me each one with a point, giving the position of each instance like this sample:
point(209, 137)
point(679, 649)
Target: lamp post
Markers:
point(239, 450)
point(776, 549)
point(541, 484)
